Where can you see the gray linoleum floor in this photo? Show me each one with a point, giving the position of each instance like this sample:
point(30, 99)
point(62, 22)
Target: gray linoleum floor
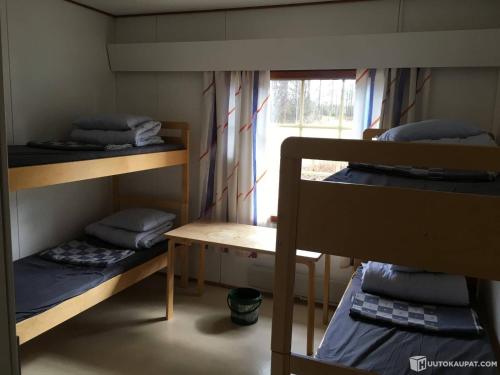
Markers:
point(126, 335)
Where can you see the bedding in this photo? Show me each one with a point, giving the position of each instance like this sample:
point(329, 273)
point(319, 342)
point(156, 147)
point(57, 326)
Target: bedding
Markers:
point(426, 173)
point(138, 219)
point(41, 284)
point(111, 121)
point(425, 287)
point(483, 139)
point(395, 267)
point(386, 350)
point(429, 130)
point(126, 238)
point(433, 318)
point(142, 135)
point(24, 156)
point(354, 175)
point(82, 253)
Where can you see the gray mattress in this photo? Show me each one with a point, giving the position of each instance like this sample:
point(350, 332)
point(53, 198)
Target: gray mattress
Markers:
point(41, 284)
point(372, 177)
point(386, 350)
point(23, 156)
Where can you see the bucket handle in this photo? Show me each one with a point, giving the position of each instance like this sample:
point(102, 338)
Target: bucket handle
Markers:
point(239, 312)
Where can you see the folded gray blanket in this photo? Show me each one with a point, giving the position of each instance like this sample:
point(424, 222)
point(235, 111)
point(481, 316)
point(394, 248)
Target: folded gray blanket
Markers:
point(442, 319)
point(142, 135)
point(425, 287)
point(129, 239)
point(81, 253)
point(111, 121)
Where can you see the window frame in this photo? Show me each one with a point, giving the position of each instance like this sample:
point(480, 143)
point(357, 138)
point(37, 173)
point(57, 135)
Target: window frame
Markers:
point(307, 75)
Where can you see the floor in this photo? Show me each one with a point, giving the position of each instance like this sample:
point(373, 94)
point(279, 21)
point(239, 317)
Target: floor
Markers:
point(127, 335)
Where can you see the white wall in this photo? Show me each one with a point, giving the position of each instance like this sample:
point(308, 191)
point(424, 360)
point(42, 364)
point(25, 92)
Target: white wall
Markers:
point(458, 93)
point(58, 70)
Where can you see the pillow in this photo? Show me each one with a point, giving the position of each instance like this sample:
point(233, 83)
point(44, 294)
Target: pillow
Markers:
point(430, 129)
point(422, 287)
point(138, 219)
point(114, 121)
point(483, 139)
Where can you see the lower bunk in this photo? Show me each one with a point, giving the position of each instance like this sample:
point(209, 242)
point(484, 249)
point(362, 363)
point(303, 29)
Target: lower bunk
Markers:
point(49, 293)
point(385, 349)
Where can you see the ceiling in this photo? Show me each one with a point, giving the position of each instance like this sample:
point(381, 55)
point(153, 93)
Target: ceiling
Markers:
point(136, 7)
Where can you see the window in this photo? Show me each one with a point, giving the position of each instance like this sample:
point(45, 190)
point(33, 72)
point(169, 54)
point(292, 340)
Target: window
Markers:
point(311, 104)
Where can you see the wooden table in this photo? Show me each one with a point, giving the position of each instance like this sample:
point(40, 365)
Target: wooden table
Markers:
point(248, 238)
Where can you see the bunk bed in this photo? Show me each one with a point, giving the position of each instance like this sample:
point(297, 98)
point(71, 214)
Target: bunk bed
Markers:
point(75, 292)
point(438, 229)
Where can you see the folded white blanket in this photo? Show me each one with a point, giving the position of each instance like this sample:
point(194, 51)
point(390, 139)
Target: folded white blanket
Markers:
point(425, 287)
point(142, 135)
point(126, 238)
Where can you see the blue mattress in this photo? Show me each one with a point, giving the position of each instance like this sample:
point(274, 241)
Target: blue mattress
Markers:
point(386, 350)
point(41, 284)
point(23, 156)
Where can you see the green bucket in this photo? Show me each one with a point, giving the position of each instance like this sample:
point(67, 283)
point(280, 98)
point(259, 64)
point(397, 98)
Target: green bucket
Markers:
point(244, 304)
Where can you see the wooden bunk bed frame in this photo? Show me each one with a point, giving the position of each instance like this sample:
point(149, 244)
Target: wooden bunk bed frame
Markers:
point(52, 174)
point(443, 227)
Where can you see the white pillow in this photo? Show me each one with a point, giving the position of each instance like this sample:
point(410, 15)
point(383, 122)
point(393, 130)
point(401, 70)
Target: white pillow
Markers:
point(483, 139)
point(138, 219)
point(430, 129)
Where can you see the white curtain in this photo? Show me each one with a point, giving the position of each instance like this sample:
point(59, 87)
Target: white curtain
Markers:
point(233, 146)
point(406, 97)
point(386, 98)
point(370, 85)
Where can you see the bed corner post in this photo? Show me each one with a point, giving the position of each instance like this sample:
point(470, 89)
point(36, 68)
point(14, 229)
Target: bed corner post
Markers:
point(115, 180)
point(185, 178)
point(281, 342)
point(185, 135)
point(169, 313)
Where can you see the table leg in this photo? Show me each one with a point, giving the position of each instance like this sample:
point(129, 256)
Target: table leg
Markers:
point(326, 289)
point(310, 309)
point(201, 268)
point(170, 280)
point(185, 266)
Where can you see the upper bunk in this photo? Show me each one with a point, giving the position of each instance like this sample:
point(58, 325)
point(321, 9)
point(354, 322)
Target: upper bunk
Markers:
point(31, 167)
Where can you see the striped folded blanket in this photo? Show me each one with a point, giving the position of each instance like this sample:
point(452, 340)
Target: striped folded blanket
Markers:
point(433, 318)
point(81, 253)
point(439, 174)
point(75, 146)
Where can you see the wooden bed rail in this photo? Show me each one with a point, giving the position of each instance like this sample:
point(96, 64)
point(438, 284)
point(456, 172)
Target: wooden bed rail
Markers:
point(439, 231)
point(424, 229)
